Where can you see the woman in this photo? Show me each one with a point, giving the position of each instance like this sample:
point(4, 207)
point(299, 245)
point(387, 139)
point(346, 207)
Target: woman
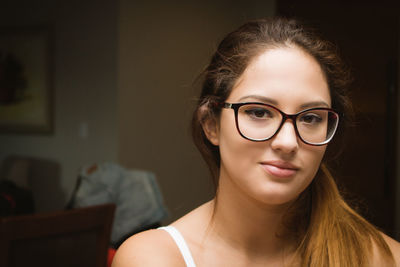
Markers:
point(271, 101)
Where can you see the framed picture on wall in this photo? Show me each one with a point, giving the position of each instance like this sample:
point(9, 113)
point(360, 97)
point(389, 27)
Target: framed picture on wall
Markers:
point(26, 81)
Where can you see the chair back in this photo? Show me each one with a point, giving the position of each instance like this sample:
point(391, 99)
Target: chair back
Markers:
point(78, 237)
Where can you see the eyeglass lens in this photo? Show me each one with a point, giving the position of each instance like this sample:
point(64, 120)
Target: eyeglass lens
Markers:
point(260, 122)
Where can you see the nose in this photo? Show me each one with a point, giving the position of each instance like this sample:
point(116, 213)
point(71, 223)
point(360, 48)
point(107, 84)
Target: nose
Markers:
point(286, 139)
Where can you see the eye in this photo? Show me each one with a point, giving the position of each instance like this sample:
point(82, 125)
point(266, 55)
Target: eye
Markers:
point(311, 118)
point(258, 113)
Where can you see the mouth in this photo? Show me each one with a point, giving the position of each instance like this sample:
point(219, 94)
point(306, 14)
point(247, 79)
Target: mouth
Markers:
point(281, 169)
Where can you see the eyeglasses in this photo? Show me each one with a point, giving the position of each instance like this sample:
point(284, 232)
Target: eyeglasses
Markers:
point(260, 122)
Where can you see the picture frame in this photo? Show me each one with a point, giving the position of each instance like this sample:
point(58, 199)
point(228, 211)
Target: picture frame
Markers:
point(26, 87)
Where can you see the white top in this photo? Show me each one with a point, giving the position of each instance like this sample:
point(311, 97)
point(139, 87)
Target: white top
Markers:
point(181, 243)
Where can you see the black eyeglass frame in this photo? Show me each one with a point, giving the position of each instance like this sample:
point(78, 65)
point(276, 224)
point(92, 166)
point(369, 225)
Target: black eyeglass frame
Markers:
point(293, 117)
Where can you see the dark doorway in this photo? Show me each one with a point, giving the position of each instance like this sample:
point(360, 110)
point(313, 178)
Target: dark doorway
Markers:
point(367, 35)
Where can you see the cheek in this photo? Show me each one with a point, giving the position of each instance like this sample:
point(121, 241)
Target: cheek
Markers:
point(313, 157)
point(227, 133)
point(319, 153)
point(233, 147)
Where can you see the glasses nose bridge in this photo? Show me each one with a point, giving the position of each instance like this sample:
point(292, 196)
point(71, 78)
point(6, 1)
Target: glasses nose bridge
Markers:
point(288, 139)
point(285, 117)
point(292, 117)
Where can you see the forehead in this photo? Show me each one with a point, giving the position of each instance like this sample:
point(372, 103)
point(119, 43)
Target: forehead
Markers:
point(288, 75)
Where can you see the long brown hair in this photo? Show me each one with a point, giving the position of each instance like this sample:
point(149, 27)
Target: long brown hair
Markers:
point(327, 231)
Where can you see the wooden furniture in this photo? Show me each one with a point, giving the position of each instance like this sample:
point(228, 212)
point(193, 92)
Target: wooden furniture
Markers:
point(78, 237)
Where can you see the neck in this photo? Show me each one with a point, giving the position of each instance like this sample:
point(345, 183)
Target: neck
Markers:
point(246, 224)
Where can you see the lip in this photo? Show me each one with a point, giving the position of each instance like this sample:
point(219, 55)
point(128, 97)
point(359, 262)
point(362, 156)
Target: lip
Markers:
point(281, 169)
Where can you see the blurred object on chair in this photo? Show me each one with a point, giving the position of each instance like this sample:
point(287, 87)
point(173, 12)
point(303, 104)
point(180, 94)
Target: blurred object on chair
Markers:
point(40, 176)
point(136, 194)
point(78, 238)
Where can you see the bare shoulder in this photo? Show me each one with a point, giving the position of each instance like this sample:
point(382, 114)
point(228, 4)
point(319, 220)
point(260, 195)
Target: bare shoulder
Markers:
point(394, 246)
point(156, 247)
point(148, 248)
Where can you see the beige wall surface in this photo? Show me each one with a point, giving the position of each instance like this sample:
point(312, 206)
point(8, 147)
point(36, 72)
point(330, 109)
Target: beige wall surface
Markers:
point(84, 75)
point(163, 46)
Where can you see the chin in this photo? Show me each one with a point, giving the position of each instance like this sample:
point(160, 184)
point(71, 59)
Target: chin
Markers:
point(277, 198)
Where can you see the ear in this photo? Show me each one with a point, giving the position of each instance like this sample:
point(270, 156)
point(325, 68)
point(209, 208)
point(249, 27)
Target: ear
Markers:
point(209, 124)
point(211, 130)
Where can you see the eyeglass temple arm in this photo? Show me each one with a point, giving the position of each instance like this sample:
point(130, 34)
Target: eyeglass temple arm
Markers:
point(227, 105)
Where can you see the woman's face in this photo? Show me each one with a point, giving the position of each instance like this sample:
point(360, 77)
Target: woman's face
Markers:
point(278, 170)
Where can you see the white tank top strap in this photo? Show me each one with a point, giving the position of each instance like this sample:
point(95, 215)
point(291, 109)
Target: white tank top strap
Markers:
point(181, 243)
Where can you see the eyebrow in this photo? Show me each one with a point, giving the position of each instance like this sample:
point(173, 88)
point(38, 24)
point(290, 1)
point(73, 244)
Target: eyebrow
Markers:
point(260, 98)
point(271, 101)
point(314, 104)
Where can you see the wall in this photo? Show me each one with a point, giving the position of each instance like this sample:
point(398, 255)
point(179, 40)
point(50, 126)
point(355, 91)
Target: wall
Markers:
point(85, 49)
point(163, 46)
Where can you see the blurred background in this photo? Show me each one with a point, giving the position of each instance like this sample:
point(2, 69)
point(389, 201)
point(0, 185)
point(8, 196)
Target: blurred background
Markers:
point(122, 90)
